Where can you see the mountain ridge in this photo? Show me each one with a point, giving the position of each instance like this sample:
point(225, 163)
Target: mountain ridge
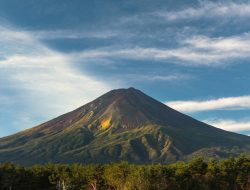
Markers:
point(123, 124)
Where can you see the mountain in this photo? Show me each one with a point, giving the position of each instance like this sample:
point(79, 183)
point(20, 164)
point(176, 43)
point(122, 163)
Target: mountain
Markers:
point(123, 124)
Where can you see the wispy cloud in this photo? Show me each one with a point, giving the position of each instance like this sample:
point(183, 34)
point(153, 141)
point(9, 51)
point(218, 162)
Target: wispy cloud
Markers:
point(156, 54)
point(73, 34)
point(227, 103)
point(208, 10)
point(153, 78)
point(40, 80)
point(222, 48)
point(230, 125)
point(192, 51)
point(223, 44)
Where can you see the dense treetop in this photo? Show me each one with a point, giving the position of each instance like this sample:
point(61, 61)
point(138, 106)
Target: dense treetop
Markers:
point(198, 174)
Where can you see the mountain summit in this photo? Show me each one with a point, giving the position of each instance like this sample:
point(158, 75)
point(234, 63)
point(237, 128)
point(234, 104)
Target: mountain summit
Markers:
point(123, 124)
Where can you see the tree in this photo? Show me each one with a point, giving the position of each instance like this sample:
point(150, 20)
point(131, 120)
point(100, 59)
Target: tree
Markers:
point(61, 177)
point(198, 169)
point(228, 174)
point(138, 178)
point(95, 177)
point(116, 175)
point(242, 165)
point(9, 176)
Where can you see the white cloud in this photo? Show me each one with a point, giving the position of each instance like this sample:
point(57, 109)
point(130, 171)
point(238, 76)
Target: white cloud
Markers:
point(221, 44)
point(140, 53)
point(222, 48)
point(208, 10)
point(72, 34)
point(153, 78)
point(39, 80)
point(230, 125)
point(227, 103)
point(192, 51)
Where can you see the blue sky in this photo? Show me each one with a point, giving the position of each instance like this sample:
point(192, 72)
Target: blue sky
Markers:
point(57, 55)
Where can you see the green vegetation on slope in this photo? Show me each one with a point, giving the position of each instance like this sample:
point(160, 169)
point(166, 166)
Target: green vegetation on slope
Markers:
point(198, 174)
point(123, 124)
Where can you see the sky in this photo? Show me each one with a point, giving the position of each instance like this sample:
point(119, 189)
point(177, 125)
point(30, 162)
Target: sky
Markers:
point(56, 55)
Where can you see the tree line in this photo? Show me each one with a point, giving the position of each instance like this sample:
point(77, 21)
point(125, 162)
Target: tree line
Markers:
point(197, 174)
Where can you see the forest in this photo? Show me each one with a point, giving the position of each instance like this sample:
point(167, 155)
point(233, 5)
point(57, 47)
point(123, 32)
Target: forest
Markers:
point(197, 174)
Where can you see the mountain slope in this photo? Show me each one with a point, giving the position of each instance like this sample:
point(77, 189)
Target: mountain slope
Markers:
point(123, 124)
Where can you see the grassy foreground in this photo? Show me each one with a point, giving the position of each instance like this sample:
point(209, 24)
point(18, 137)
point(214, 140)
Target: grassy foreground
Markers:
point(198, 174)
